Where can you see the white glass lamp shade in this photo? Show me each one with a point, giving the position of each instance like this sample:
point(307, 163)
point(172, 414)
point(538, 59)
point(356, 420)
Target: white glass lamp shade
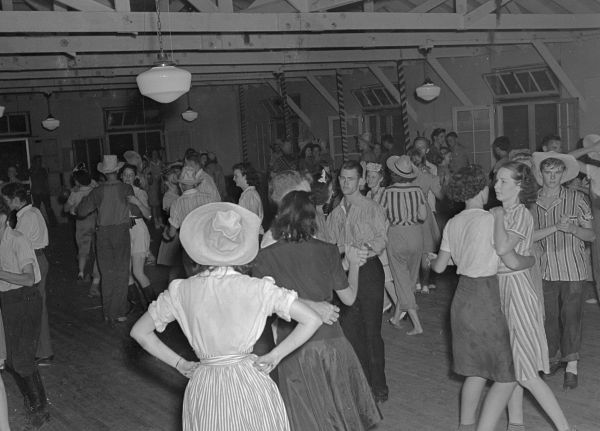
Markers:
point(1, 111)
point(50, 123)
point(428, 91)
point(164, 83)
point(189, 114)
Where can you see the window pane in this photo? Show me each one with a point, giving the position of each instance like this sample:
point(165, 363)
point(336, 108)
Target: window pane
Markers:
point(17, 123)
point(516, 125)
point(545, 121)
point(362, 100)
point(119, 143)
point(543, 80)
point(4, 124)
point(526, 81)
point(496, 85)
point(511, 83)
point(481, 119)
point(372, 99)
point(464, 121)
point(352, 126)
point(382, 96)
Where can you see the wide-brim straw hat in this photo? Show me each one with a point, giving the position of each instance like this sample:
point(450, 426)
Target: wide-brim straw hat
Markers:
point(109, 164)
point(220, 234)
point(571, 165)
point(402, 166)
point(590, 141)
point(133, 158)
point(188, 176)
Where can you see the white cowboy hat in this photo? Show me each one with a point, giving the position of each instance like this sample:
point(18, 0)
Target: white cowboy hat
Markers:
point(571, 165)
point(402, 166)
point(220, 234)
point(109, 164)
point(590, 141)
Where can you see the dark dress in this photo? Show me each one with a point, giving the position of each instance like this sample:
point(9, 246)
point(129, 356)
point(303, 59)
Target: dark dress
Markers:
point(322, 383)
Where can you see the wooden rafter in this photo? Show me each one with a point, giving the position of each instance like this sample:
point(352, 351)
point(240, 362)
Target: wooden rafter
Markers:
point(273, 84)
point(389, 86)
point(122, 6)
point(312, 78)
point(483, 10)
point(450, 82)
point(6, 4)
point(203, 5)
point(426, 6)
point(85, 5)
point(545, 53)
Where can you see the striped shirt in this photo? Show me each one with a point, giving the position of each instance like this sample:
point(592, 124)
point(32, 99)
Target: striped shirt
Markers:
point(250, 199)
point(186, 203)
point(404, 204)
point(207, 186)
point(563, 254)
point(361, 223)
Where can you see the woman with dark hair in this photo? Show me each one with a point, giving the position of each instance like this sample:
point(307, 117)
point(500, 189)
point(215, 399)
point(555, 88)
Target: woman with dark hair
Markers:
point(247, 179)
point(322, 383)
point(522, 302)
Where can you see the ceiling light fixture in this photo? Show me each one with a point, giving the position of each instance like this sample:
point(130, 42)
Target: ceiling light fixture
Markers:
point(164, 82)
point(427, 91)
point(189, 114)
point(50, 123)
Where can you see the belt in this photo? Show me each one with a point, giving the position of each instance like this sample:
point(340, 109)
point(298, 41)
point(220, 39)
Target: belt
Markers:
point(224, 360)
point(39, 251)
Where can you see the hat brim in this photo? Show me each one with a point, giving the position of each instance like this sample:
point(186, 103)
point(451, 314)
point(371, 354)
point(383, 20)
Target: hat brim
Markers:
point(589, 141)
point(571, 165)
point(195, 237)
point(101, 168)
point(132, 157)
point(391, 164)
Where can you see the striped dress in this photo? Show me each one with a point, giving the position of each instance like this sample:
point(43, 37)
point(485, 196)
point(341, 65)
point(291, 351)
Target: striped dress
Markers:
point(222, 314)
point(521, 303)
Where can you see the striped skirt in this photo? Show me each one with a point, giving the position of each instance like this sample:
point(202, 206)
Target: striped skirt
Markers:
point(232, 395)
point(525, 317)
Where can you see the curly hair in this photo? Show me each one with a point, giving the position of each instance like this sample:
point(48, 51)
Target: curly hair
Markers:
point(251, 174)
point(522, 174)
point(295, 220)
point(467, 183)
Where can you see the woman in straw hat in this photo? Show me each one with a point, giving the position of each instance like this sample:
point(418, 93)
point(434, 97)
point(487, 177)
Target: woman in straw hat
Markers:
point(322, 383)
point(406, 209)
point(222, 312)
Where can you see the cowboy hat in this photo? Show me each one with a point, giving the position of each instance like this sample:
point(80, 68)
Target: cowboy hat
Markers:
point(188, 176)
point(109, 164)
point(590, 141)
point(133, 158)
point(402, 166)
point(374, 167)
point(571, 165)
point(220, 234)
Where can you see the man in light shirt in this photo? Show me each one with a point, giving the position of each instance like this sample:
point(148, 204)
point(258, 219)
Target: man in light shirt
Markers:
point(31, 223)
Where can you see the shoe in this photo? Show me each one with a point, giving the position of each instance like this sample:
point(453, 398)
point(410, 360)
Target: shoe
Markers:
point(80, 276)
point(44, 362)
point(380, 396)
point(418, 287)
point(570, 381)
point(555, 367)
point(425, 290)
point(432, 287)
point(591, 301)
point(387, 308)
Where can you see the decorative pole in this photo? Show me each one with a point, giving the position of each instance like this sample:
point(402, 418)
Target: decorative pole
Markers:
point(287, 123)
point(243, 122)
point(403, 104)
point(342, 114)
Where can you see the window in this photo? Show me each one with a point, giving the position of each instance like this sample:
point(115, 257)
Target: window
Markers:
point(374, 97)
point(141, 141)
point(475, 129)
point(14, 124)
point(384, 122)
point(132, 118)
point(353, 130)
point(88, 151)
point(530, 81)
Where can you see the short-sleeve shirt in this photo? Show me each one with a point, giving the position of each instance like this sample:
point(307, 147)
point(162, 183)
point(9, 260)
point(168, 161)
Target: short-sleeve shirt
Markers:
point(76, 197)
point(563, 254)
point(519, 221)
point(221, 312)
point(16, 252)
point(469, 238)
point(312, 268)
point(31, 223)
point(207, 186)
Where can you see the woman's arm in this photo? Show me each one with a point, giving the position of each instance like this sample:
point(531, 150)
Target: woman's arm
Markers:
point(25, 278)
point(440, 263)
point(356, 258)
point(145, 209)
point(503, 241)
point(143, 333)
point(543, 233)
point(516, 262)
point(583, 232)
point(308, 323)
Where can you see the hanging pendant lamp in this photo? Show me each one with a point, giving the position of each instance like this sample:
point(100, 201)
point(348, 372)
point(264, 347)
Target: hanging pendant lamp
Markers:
point(50, 123)
point(164, 82)
point(427, 91)
point(189, 114)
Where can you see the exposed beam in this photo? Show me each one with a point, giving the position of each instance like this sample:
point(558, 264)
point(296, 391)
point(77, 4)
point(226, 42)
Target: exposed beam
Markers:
point(427, 6)
point(299, 5)
point(122, 6)
point(322, 5)
point(86, 5)
point(291, 104)
point(323, 91)
point(204, 5)
point(545, 53)
point(483, 10)
point(389, 86)
point(211, 42)
point(574, 6)
point(177, 22)
point(450, 82)
point(225, 6)
point(6, 4)
point(460, 7)
point(536, 6)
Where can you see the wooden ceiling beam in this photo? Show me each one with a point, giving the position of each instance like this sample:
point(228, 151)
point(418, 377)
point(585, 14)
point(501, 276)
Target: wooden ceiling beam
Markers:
point(450, 82)
point(391, 87)
point(211, 42)
point(122, 6)
point(178, 22)
point(85, 5)
point(485, 9)
point(312, 78)
point(426, 6)
point(6, 4)
point(204, 5)
point(305, 119)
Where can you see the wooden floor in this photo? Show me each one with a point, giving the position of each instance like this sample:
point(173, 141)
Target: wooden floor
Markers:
point(101, 380)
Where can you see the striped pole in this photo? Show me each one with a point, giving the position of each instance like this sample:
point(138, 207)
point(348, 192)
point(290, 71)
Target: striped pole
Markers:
point(287, 123)
point(243, 122)
point(403, 105)
point(339, 85)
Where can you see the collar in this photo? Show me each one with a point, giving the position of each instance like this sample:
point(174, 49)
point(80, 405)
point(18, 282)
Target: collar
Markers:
point(556, 201)
point(190, 192)
point(23, 209)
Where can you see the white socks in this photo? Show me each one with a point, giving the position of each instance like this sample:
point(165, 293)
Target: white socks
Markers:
point(571, 367)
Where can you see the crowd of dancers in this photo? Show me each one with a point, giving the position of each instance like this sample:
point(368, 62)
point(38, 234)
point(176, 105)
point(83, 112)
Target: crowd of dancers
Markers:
point(286, 323)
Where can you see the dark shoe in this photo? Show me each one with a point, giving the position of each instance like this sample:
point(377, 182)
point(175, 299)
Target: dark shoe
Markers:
point(380, 398)
point(570, 381)
point(44, 362)
point(555, 367)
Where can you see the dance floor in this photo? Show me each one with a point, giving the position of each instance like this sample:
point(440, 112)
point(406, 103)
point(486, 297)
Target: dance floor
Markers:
point(101, 380)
